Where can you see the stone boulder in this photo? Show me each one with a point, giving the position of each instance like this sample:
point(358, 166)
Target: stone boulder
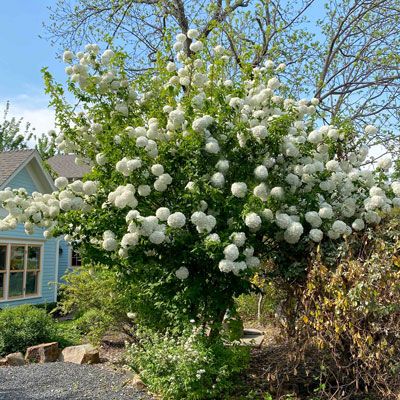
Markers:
point(83, 354)
point(14, 360)
point(43, 353)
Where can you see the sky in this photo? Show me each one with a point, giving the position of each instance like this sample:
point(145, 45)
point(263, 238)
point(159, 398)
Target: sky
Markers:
point(24, 54)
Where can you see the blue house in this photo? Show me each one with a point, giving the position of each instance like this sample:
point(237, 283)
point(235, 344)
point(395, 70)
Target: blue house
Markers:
point(30, 266)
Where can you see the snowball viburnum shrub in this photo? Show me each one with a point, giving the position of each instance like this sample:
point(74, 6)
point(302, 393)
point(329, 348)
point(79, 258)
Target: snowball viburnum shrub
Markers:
point(197, 176)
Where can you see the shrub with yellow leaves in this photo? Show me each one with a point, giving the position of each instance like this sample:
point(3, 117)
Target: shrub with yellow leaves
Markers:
point(352, 312)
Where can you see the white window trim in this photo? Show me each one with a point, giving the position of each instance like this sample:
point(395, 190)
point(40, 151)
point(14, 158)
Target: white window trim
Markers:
point(21, 242)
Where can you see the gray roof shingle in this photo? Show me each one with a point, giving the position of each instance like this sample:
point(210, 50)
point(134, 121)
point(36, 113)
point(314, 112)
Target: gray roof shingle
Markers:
point(64, 165)
point(10, 161)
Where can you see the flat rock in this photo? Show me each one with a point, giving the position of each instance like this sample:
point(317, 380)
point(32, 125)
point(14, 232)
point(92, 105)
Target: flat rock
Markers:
point(42, 353)
point(252, 337)
point(15, 359)
point(82, 354)
point(137, 382)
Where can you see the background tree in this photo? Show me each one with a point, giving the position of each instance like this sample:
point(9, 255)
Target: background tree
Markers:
point(13, 135)
point(347, 56)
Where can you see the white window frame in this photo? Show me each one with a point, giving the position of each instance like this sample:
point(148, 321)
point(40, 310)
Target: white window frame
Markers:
point(15, 242)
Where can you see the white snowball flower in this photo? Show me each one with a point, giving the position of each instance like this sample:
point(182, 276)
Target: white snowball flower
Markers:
point(385, 163)
point(110, 244)
point(200, 124)
point(253, 221)
point(293, 180)
point(101, 159)
point(61, 182)
point(180, 37)
point(259, 132)
point(370, 130)
point(267, 214)
point(332, 165)
point(396, 188)
point(193, 33)
point(212, 147)
point(160, 186)
point(144, 190)
point(223, 166)
point(261, 191)
point(225, 266)
point(313, 218)
point(163, 213)
point(157, 237)
point(171, 67)
point(239, 189)
point(238, 238)
point(315, 137)
point(176, 220)
point(293, 232)
point(283, 220)
point(213, 238)
point(358, 224)
point(157, 169)
point(277, 192)
point(261, 172)
point(325, 212)
point(196, 46)
point(340, 227)
point(252, 262)
point(316, 235)
point(182, 273)
point(89, 188)
point(231, 252)
point(218, 180)
point(68, 56)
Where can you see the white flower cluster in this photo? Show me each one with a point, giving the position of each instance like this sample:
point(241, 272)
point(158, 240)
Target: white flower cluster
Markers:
point(204, 223)
point(123, 196)
point(231, 264)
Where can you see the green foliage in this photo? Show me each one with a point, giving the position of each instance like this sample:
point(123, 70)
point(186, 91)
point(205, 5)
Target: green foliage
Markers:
point(353, 313)
point(189, 366)
point(24, 326)
point(67, 334)
point(13, 136)
point(98, 299)
point(94, 323)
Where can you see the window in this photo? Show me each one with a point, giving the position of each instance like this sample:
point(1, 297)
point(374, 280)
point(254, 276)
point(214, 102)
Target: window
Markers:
point(3, 268)
point(75, 259)
point(20, 266)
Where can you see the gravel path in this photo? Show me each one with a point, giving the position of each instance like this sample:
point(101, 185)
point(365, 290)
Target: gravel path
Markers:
point(64, 381)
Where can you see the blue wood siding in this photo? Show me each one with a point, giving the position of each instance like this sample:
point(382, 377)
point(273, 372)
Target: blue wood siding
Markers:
point(64, 261)
point(48, 275)
point(23, 180)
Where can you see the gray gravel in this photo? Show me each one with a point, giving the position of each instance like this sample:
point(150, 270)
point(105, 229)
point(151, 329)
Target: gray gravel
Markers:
point(56, 381)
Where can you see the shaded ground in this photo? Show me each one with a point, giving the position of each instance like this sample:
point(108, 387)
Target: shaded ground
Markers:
point(64, 381)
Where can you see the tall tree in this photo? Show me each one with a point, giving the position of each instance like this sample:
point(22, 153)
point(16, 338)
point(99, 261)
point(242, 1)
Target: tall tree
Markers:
point(13, 134)
point(347, 57)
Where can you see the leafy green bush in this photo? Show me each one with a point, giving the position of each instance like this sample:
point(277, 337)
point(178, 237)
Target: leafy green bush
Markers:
point(97, 299)
point(24, 326)
point(189, 366)
point(94, 323)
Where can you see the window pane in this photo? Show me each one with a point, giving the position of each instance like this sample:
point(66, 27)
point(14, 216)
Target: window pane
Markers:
point(3, 257)
point(17, 257)
point(31, 283)
point(33, 257)
point(16, 284)
point(1, 286)
point(75, 259)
